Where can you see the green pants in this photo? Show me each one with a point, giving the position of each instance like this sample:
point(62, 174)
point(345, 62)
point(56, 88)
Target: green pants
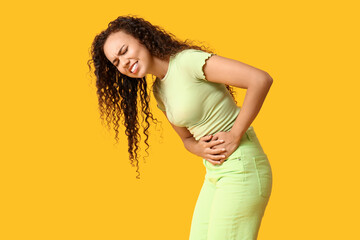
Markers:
point(234, 195)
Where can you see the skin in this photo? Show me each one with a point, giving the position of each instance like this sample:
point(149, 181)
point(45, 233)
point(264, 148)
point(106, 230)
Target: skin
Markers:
point(133, 51)
point(213, 148)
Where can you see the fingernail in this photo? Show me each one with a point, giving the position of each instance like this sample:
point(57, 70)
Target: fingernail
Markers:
point(221, 140)
point(223, 149)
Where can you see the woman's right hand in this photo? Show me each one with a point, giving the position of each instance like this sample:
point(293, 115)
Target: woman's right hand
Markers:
point(202, 147)
point(214, 156)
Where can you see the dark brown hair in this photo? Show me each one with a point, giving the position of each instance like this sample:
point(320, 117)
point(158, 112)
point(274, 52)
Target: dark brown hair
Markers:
point(117, 93)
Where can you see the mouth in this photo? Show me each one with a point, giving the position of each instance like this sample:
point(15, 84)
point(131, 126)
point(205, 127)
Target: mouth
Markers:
point(133, 68)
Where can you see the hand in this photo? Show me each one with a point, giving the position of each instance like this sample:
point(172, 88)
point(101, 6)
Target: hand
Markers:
point(231, 142)
point(208, 152)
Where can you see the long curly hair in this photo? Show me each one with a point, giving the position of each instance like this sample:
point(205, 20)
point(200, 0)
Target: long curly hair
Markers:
point(118, 94)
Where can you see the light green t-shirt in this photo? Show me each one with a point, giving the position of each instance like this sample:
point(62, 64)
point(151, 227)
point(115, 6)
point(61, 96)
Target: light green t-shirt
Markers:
point(190, 101)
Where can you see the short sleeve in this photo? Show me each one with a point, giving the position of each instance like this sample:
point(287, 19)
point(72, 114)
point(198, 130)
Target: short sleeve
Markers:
point(157, 96)
point(193, 61)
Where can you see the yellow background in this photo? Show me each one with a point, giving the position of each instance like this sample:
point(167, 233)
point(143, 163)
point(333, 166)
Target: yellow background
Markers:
point(62, 177)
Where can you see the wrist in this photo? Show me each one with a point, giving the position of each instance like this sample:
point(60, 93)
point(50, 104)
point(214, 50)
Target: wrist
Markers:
point(237, 135)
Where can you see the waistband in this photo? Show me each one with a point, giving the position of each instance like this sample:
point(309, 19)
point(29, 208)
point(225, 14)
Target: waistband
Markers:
point(248, 143)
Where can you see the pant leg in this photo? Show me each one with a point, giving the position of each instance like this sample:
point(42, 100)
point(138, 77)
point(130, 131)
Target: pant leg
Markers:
point(201, 215)
point(239, 201)
point(234, 195)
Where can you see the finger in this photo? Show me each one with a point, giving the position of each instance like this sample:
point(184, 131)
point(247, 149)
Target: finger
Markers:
point(214, 143)
point(206, 138)
point(216, 151)
point(216, 157)
point(214, 162)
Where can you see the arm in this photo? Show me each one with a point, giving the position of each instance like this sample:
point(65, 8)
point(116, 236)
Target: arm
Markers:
point(257, 82)
point(201, 148)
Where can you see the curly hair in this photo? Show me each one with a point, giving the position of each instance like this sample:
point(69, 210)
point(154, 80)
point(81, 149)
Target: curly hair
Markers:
point(117, 93)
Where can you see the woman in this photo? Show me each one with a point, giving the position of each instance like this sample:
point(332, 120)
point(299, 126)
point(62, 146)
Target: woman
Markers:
point(191, 88)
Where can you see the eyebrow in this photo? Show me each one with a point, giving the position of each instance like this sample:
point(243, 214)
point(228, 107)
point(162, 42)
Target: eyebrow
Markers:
point(118, 54)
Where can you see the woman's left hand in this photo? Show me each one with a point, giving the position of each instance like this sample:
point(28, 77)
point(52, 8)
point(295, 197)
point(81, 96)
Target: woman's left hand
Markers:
point(231, 143)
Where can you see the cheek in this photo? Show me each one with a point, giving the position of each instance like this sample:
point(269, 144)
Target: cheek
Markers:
point(145, 55)
point(147, 61)
point(121, 70)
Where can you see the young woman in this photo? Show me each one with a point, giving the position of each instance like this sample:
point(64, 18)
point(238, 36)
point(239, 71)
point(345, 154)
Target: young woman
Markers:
point(192, 89)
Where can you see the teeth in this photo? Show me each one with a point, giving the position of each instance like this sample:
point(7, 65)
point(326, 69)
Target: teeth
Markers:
point(134, 67)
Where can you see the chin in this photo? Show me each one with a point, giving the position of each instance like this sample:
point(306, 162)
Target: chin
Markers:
point(141, 75)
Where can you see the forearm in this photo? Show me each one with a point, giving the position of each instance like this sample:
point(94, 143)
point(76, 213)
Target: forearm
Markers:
point(191, 145)
point(254, 99)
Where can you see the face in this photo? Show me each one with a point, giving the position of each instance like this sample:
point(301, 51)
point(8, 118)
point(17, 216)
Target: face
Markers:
point(127, 54)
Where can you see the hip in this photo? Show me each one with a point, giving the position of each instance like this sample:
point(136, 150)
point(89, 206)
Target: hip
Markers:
point(249, 148)
point(248, 168)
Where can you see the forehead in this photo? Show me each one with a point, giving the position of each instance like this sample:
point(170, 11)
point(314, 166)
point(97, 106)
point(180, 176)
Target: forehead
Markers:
point(115, 41)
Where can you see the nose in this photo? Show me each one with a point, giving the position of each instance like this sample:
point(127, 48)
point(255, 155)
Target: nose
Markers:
point(124, 62)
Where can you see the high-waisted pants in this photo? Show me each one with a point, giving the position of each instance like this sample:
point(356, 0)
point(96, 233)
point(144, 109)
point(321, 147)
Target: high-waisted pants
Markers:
point(234, 194)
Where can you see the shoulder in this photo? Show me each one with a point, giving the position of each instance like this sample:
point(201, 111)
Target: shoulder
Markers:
point(192, 61)
point(192, 54)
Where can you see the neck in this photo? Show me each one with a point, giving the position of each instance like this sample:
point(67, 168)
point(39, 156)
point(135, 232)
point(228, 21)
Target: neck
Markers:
point(159, 67)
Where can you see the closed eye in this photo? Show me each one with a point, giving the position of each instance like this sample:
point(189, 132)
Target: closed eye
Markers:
point(117, 62)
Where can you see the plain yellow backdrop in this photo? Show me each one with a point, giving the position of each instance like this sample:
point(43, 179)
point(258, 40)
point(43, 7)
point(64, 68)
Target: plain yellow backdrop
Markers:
point(62, 176)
